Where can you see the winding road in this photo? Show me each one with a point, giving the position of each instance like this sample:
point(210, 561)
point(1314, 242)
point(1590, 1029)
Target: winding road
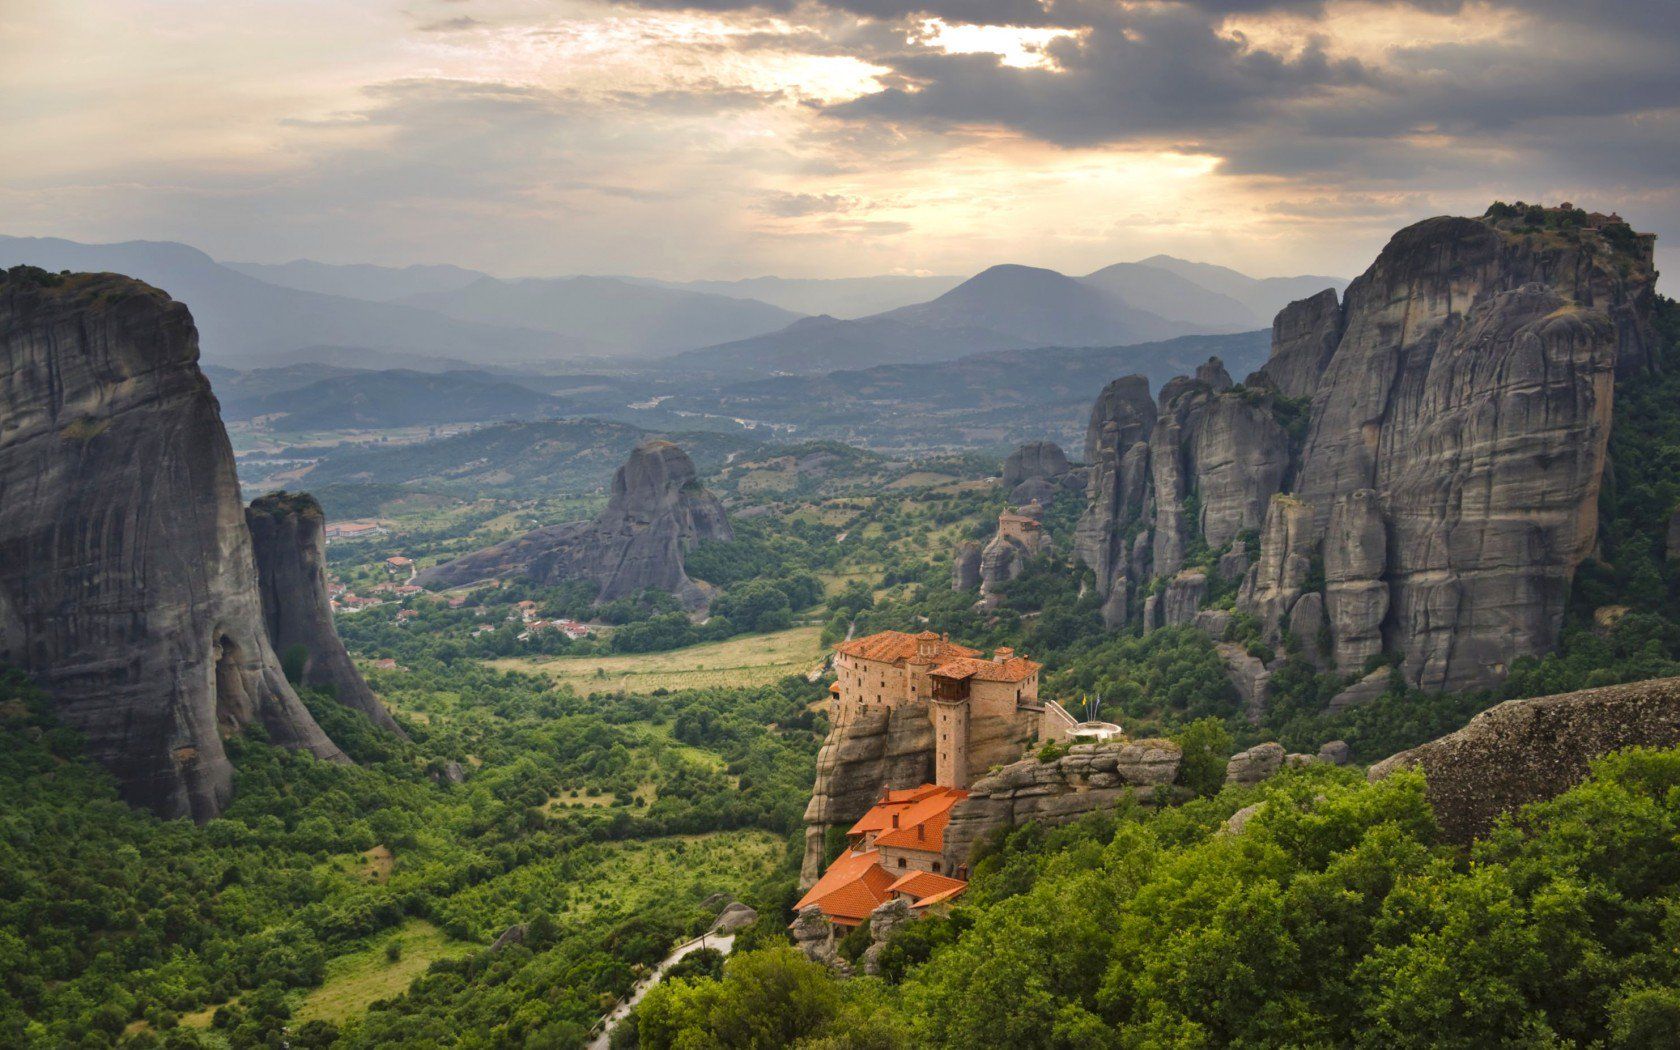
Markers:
point(723, 942)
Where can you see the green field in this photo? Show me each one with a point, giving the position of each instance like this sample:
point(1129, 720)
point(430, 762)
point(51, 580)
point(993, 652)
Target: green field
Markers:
point(746, 660)
point(364, 977)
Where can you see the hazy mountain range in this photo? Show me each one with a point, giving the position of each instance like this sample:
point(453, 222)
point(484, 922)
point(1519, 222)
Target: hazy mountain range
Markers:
point(443, 318)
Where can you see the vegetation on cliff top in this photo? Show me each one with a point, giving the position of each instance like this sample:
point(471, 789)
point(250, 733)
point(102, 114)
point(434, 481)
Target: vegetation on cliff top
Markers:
point(1332, 919)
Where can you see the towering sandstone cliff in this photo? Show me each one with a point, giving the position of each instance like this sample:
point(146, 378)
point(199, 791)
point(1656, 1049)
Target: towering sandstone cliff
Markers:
point(288, 536)
point(127, 583)
point(1420, 464)
point(657, 513)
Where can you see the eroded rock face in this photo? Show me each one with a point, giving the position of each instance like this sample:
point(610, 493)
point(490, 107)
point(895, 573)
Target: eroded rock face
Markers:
point(965, 566)
point(128, 589)
point(1355, 593)
point(1183, 598)
point(1089, 778)
point(1304, 336)
point(1117, 451)
point(288, 540)
point(657, 513)
point(1526, 751)
point(1249, 676)
point(1006, 555)
point(1039, 471)
point(1457, 442)
point(878, 750)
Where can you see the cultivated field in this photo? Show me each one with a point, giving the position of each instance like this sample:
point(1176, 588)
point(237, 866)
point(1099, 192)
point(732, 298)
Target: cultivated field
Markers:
point(746, 660)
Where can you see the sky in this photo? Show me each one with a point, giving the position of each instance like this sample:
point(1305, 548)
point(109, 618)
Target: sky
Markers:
point(724, 139)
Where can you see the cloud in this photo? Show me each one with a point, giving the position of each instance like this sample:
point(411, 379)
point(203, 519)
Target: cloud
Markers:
point(795, 205)
point(719, 137)
point(451, 25)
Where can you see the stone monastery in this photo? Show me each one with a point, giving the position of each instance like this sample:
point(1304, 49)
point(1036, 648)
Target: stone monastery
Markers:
point(985, 711)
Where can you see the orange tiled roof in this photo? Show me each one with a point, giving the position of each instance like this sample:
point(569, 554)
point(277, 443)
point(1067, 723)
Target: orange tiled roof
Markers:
point(851, 887)
point(879, 817)
point(923, 884)
point(942, 895)
point(921, 824)
point(897, 647)
point(1009, 669)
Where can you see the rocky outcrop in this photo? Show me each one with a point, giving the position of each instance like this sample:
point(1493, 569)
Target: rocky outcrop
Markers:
point(1355, 593)
point(1363, 691)
point(1307, 626)
point(1280, 574)
point(1183, 598)
point(878, 750)
point(1117, 451)
point(1457, 442)
point(734, 917)
point(1039, 472)
point(1249, 676)
point(1525, 751)
point(1440, 490)
point(288, 540)
point(813, 934)
point(1222, 447)
point(887, 919)
point(1089, 778)
point(657, 513)
point(1304, 336)
point(1019, 538)
point(1258, 763)
point(128, 589)
point(965, 566)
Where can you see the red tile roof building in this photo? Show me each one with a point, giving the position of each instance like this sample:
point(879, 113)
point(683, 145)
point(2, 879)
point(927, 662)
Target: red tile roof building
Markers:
point(897, 850)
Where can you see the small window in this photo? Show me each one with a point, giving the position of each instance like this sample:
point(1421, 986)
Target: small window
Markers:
point(936, 867)
point(901, 862)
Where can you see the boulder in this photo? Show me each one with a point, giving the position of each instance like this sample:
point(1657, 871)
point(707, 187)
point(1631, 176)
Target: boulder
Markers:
point(736, 916)
point(1525, 751)
point(813, 934)
point(1254, 765)
point(887, 919)
point(1236, 822)
point(1365, 690)
point(1336, 752)
point(514, 934)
